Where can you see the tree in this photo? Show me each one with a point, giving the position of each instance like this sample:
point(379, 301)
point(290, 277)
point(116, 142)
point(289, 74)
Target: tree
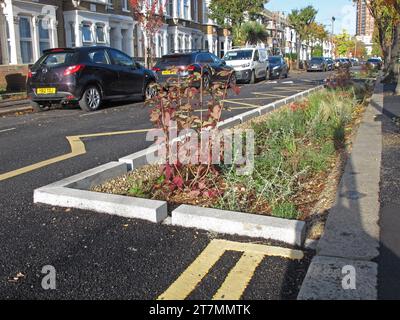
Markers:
point(233, 13)
point(254, 33)
point(300, 21)
point(317, 51)
point(317, 34)
point(149, 14)
point(387, 21)
point(343, 44)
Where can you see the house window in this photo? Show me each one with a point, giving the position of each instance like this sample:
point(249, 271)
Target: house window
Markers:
point(100, 34)
point(161, 46)
point(196, 10)
point(125, 5)
point(25, 39)
point(186, 9)
point(110, 4)
point(178, 4)
point(171, 43)
point(222, 49)
point(8, 40)
point(72, 34)
point(170, 8)
point(44, 35)
point(86, 33)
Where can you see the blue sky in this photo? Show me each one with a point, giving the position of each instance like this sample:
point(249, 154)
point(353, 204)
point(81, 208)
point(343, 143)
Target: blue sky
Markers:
point(343, 10)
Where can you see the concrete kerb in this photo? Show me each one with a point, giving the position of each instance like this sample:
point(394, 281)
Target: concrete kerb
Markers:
point(74, 191)
point(244, 224)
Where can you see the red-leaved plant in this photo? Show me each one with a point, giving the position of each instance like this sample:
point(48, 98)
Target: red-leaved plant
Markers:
point(186, 106)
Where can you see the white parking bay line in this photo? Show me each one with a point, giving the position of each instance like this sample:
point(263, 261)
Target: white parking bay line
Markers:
point(90, 114)
point(10, 129)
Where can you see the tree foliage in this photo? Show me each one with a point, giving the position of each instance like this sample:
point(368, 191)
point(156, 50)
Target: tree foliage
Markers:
point(344, 44)
point(254, 32)
point(301, 21)
point(233, 13)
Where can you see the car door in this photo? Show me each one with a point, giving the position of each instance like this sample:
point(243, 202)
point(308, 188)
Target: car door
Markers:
point(103, 71)
point(130, 77)
point(205, 59)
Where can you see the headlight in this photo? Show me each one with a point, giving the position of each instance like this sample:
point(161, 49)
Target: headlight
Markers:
point(246, 65)
point(275, 68)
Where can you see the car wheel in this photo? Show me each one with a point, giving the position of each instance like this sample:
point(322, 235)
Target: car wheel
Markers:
point(233, 80)
point(39, 107)
point(91, 99)
point(150, 91)
point(206, 81)
point(253, 77)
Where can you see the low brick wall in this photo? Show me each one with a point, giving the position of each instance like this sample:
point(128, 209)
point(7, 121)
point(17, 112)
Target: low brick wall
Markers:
point(13, 77)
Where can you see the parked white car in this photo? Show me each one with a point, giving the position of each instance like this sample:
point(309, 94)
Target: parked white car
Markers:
point(250, 64)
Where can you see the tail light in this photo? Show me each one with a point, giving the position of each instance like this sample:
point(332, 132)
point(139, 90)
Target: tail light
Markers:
point(29, 74)
point(191, 68)
point(155, 69)
point(73, 69)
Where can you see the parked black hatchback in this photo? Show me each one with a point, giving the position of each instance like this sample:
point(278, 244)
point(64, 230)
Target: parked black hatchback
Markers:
point(88, 76)
point(185, 64)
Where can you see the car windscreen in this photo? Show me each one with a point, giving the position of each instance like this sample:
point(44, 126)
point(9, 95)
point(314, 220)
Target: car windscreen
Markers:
point(274, 60)
point(374, 60)
point(317, 60)
point(172, 61)
point(238, 55)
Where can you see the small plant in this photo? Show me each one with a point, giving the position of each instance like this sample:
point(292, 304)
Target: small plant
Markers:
point(286, 210)
point(174, 109)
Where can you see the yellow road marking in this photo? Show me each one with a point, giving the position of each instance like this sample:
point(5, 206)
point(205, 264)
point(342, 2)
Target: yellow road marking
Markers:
point(77, 149)
point(269, 95)
point(239, 277)
point(193, 275)
point(241, 103)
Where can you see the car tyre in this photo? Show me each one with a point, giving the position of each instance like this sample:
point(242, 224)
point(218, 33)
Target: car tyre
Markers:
point(253, 77)
point(39, 107)
point(206, 81)
point(91, 99)
point(149, 91)
point(233, 80)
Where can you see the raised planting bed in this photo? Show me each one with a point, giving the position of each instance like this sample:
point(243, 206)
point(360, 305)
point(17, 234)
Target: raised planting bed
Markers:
point(300, 151)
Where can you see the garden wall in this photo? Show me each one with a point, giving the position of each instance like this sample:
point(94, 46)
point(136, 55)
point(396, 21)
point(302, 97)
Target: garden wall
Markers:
point(13, 77)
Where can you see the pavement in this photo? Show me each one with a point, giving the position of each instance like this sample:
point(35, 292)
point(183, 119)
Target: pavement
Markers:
point(389, 258)
point(97, 256)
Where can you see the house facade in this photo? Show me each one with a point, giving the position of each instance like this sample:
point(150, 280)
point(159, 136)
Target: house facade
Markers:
point(30, 26)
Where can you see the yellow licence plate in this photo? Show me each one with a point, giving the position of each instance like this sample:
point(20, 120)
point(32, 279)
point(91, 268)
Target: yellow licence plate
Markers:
point(45, 90)
point(168, 72)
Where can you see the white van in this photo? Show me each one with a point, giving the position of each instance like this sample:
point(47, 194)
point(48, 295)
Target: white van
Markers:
point(249, 63)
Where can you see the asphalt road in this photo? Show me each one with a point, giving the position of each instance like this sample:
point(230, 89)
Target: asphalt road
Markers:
point(97, 256)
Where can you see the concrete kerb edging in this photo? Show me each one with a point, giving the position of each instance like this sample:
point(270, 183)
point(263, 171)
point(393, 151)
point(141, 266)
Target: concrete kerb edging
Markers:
point(75, 192)
point(244, 224)
point(352, 233)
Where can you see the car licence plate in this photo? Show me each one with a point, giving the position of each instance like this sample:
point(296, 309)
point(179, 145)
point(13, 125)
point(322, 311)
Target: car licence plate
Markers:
point(168, 72)
point(46, 90)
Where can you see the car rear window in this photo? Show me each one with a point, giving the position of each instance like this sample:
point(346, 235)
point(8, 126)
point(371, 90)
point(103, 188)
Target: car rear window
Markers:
point(58, 59)
point(317, 60)
point(374, 60)
point(171, 61)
